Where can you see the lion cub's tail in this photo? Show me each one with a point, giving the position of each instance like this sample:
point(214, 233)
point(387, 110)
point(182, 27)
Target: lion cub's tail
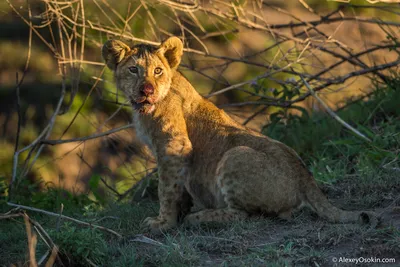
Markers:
point(317, 200)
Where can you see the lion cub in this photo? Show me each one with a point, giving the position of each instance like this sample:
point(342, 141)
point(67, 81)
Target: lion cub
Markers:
point(205, 157)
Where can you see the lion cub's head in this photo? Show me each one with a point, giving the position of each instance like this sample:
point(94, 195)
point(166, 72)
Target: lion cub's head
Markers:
point(143, 72)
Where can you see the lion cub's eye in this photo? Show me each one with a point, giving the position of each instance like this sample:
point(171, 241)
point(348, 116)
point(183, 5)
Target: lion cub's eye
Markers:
point(133, 69)
point(157, 70)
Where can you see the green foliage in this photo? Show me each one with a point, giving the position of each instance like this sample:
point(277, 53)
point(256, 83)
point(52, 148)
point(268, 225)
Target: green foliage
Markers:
point(13, 241)
point(46, 196)
point(123, 256)
point(80, 245)
point(94, 182)
point(3, 190)
point(331, 149)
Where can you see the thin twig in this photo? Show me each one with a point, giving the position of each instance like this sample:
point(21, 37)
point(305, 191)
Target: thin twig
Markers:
point(66, 218)
point(19, 82)
point(19, 113)
point(137, 184)
point(52, 259)
point(16, 154)
point(254, 80)
point(342, 79)
point(255, 114)
point(85, 138)
point(333, 114)
point(83, 103)
point(50, 127)
point(32, 240)
point(144, 239)
point(59, 218)
point(101, 178)
point(333, 20)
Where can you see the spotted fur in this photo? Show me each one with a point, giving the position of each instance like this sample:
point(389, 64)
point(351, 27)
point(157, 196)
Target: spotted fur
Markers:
point(205, 157)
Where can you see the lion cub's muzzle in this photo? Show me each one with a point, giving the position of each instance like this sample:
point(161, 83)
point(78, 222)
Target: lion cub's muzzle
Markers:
point(144, 103)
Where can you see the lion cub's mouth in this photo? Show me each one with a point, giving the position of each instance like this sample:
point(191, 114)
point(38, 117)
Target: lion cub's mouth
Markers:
point(143, 105)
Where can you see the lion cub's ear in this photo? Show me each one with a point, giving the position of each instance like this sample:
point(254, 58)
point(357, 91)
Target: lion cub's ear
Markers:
point(113, 52)
point(172, 49)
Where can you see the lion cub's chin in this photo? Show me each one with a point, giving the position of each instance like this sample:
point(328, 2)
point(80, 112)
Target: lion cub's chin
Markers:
point(144, 108)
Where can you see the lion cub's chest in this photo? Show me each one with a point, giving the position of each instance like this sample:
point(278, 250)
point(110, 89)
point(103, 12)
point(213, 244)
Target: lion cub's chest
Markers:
point(142, 132)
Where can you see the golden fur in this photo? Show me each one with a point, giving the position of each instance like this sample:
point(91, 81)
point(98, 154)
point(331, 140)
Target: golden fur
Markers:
point(205, 157)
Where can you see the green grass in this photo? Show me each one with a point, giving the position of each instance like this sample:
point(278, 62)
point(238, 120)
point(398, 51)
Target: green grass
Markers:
point(331, 150)
point(354, 175)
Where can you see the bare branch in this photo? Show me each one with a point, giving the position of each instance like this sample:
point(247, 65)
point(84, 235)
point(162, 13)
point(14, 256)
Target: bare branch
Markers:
point(66, 218)
point(82, 139)
point(333, 114)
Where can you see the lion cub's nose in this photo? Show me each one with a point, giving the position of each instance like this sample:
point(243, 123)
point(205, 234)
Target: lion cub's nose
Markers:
point(148, 89)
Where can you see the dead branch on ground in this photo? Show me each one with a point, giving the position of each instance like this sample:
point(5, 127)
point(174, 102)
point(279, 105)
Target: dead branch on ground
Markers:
point(32, 239)
point(66, 218)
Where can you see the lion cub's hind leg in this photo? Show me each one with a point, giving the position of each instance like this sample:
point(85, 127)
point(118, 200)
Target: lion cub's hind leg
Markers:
point(251, 182)
point(254, 182)
point(215, 215)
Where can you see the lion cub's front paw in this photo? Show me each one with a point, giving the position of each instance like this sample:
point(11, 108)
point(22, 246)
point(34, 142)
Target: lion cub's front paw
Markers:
point(158, 224)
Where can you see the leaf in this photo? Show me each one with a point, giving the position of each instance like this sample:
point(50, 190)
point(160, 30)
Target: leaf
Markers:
point(339, 142)
point(94, 181)
point(366, 131)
